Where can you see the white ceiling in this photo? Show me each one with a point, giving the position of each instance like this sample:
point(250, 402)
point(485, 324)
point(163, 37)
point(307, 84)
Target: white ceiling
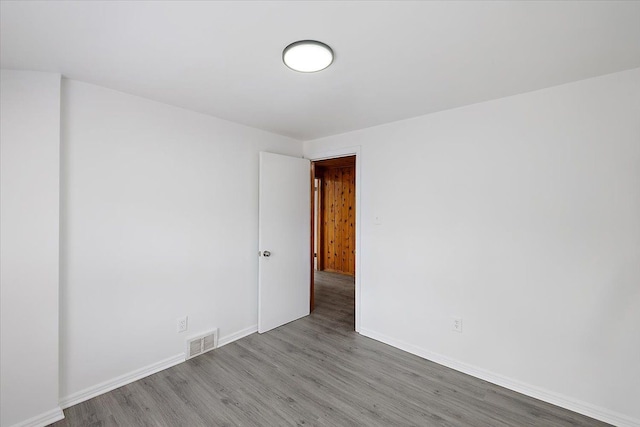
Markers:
point(394, 60)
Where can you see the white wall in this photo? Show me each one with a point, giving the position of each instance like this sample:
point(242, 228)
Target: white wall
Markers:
point(522, 216)
point(29, 212)
point(160, 214)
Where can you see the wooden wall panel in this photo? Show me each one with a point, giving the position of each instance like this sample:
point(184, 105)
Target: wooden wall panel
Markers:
point(337, 218)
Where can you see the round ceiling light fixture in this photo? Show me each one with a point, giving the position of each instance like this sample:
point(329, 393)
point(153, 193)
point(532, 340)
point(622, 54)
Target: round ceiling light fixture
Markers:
point(307, 56)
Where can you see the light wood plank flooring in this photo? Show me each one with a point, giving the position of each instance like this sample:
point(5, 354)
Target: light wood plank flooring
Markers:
point(315, 371)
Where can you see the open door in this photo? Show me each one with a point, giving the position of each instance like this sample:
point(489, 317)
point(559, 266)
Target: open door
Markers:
point(284, 240)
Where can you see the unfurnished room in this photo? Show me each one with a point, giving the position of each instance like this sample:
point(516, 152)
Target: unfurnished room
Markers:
point(319, 213)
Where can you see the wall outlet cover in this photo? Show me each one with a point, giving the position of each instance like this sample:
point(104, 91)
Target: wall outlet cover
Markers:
point(456, 324)
point(182, 324)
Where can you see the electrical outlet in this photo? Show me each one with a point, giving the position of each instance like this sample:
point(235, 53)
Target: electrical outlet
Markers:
point(456, 324)
point(182, 324)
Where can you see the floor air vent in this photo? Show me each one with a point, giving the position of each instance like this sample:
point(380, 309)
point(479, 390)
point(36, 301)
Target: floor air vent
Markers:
point(202, 343)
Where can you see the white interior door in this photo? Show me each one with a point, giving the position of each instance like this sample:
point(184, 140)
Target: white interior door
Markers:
point(284, 240)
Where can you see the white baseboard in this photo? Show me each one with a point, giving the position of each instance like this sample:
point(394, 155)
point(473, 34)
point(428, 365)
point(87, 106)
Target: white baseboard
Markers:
point(125, 379)
point(42, 420)
point(557, 399)
point(120, 381)
point(237, 335)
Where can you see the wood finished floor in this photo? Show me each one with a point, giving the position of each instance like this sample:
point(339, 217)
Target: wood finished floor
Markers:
point(315, 371)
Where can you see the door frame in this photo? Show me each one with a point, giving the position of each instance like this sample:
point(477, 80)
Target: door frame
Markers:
point(332, 154)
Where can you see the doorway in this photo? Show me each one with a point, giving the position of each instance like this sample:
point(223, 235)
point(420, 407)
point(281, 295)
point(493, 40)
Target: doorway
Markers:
point(334, 225)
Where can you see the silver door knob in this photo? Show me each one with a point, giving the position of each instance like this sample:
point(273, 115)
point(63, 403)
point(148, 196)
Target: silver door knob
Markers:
point(266, 254)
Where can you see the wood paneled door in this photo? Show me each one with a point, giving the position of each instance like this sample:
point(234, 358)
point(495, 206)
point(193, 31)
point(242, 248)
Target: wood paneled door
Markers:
point(336, 215)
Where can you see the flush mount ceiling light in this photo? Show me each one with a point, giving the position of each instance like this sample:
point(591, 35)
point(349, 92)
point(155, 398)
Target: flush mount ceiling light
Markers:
point(307, 56)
